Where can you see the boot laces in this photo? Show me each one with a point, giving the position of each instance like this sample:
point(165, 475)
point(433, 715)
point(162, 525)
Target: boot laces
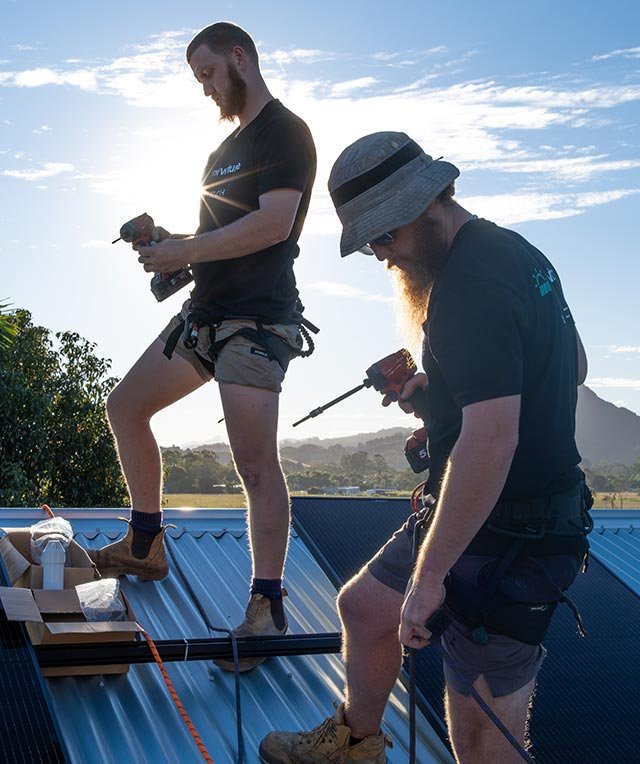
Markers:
point(325, 732)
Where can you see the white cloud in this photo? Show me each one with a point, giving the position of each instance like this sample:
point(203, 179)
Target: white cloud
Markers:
point(337, 289)
point(344, 88)
point(299, 55)
point(625, 349)
point(47, 170)
point(624, 52)
point(616, 382)
point(509, 209)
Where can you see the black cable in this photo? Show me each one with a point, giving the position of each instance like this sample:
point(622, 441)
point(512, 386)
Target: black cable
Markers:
point(234, 647)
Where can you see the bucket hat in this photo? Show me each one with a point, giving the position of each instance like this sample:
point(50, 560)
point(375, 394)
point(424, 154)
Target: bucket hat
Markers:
point(381, 182)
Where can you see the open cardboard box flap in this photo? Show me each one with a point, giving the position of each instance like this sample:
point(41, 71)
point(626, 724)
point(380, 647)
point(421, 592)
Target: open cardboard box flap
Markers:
point(55, 616)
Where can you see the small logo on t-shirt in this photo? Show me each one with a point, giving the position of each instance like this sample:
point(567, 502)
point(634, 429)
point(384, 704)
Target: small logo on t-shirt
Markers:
point(218, 172)
point(543, 281)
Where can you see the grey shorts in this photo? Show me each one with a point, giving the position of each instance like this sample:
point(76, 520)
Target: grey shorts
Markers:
point(241, 361)
point(506, 663)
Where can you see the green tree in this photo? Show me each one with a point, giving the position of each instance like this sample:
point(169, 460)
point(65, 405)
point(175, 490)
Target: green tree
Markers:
point(55, 443)
point(7, 327)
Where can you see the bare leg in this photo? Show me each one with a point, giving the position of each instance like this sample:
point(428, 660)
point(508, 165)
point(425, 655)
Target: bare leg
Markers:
point(153, 383)
point(251, 415)
point(475, 738)
point(370, 613)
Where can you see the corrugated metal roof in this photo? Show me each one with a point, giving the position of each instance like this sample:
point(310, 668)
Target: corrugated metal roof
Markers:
point(131, 718)
point(615, 541)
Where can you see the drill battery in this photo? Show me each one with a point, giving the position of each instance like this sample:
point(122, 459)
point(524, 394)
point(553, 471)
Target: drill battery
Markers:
point(415, 450)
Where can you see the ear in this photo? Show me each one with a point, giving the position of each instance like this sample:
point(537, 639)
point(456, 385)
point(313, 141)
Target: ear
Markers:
point(239, 57)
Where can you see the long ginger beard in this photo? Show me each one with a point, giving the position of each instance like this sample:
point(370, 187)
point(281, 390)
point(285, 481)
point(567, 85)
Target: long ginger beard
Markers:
point(414, 281)
point(411, 302)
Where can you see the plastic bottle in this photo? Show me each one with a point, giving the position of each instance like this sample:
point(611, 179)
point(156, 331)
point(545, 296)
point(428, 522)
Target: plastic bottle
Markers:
point(53, 559)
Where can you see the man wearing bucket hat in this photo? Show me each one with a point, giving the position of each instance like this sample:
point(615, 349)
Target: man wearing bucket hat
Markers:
point(503, 531)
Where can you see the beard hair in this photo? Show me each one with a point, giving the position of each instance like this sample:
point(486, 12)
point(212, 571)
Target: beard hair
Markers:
point(414, 282)
point(235, 99)
point(411, 302)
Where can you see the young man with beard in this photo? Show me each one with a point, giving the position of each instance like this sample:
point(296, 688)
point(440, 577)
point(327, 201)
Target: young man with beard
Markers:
point(240, 326)
point(508, 533)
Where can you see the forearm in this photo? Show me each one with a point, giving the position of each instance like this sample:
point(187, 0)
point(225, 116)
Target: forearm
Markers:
point(475, 476)
point(251, 233)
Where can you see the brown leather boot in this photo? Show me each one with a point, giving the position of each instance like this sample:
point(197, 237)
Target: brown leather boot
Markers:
point(258, 622)
point(117, 559)
point(326, 744)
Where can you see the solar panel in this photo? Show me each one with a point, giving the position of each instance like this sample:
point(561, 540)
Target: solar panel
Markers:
point(586, 705)
point(28, 729)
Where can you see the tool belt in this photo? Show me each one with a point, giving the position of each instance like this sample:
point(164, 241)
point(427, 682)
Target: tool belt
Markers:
point(550, 525)
point(556, 524)
point(275, 348)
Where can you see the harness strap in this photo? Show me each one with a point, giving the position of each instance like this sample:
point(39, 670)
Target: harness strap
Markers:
point(172, 339)
point(476, 621)
point(276, 349)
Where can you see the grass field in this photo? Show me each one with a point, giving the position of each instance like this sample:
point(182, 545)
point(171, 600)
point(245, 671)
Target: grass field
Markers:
point(235, 500)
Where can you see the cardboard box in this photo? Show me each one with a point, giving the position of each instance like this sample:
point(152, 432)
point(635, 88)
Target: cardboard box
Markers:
point(54, 617)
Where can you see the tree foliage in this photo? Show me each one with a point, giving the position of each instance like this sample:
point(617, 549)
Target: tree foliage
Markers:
point(55, 442)
point(196, 471)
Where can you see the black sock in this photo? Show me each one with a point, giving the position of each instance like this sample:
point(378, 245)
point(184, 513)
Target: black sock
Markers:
point(268, 587)
point(355, 740)
point(151, 522)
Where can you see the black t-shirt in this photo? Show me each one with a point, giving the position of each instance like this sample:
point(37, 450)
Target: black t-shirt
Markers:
point(275, 150)
point(499, 325)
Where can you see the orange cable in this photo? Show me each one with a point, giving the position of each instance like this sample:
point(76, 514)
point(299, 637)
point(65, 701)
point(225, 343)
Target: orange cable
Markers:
point(174, 695)
point(175, 698)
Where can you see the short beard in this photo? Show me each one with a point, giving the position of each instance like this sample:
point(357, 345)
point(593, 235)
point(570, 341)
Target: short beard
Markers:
point(235, 99)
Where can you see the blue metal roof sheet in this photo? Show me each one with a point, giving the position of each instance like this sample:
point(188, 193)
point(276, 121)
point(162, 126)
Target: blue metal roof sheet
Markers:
point(131, 718)
point(615, 541)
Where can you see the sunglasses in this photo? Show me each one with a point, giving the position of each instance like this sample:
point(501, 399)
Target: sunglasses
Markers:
point(381, 241)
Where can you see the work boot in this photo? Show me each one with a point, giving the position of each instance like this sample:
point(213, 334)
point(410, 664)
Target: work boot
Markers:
point(263, 618)
point(118, 559)
point(326, 744)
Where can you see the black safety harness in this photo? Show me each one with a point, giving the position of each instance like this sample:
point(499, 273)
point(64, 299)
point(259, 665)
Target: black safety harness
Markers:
point(550, 525)
point(274, 347)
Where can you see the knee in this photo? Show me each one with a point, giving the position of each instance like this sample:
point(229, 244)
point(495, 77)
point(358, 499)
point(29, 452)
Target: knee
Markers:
point(253, 468)
point(354, 607)
point(121, 411)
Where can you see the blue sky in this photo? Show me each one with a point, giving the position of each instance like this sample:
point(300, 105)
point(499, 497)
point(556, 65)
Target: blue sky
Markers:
point(101, 119)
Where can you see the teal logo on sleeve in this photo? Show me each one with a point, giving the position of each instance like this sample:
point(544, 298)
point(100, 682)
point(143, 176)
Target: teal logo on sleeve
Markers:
point(543, 281)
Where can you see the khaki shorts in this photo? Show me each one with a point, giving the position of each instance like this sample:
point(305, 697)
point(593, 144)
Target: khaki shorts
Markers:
point(241, 361)
point(506, 663)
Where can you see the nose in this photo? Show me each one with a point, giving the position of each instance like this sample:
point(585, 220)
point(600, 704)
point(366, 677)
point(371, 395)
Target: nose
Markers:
point(380, 253)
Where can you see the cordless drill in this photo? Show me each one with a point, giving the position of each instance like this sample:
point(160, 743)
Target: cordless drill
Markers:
point(138, 233)
point(388, 376)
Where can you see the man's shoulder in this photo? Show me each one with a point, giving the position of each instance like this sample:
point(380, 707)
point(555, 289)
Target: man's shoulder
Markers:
point(281, 118)
point(487, 249)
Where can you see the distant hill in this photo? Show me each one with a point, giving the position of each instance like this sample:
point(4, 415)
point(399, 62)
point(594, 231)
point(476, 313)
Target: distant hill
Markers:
point(605, 433)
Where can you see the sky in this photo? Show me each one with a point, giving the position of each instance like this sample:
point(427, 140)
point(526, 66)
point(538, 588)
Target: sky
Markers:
point(538, 104)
